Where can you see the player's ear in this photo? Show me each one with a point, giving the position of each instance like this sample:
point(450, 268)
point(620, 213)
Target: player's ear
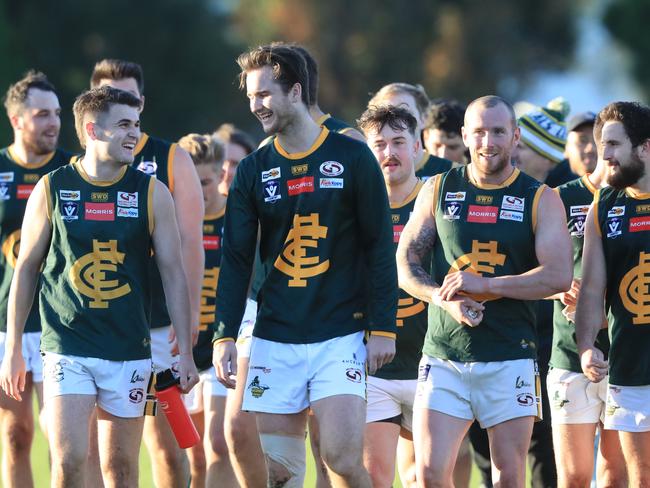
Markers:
point(141, 103)
point(90, 130)
point(15, 121)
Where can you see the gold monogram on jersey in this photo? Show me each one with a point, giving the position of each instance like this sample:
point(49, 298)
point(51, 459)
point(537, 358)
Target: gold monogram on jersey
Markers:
point(294, 260)
point(634, 291)
point(208, 293)
point(90, 274)
point(483, 258)
point(10, 248)
point(408, 307)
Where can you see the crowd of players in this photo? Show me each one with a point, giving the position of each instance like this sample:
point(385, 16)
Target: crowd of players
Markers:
point(387, 286)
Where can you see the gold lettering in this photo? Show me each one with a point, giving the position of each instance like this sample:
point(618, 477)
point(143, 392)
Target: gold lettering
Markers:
point(408, 307)
point(209, 291)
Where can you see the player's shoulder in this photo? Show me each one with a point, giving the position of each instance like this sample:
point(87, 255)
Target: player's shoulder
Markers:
point(153, 142)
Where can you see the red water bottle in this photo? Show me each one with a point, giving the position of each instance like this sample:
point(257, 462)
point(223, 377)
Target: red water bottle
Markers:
point(170, 400)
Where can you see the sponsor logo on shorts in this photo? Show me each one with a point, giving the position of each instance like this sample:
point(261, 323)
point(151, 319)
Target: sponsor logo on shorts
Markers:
point(301, 185)
point(272, 174)
point(458, 196)
point(511, 215)
point(136, 378)
point(452, 211)
point(148, 167)
point(7, 177)
point(354, 375)
point(136, 395)
point(611, 408)
point(257, 389)
point(300, 169)
point(56, 373)
point(484, 199)
point(73, 195)
point(99, 211)
point(482, 215)
point(578, 227)
point(526, 399)
point(576, 210)
point(616, 211)
point(639, 224)
point(211, 243)
point(24, 191)
point(331, 168)
point(271, 191)
point(521, 383)
point(263, 369)
point(4, 192)
point(397, 232)
point(331, 183)
point(557, 401)
point(69, 211)
point(423, 372)
point(127, 212)
point(99, 196)
point(613, 227)
point(125, 199)
point(513, 203)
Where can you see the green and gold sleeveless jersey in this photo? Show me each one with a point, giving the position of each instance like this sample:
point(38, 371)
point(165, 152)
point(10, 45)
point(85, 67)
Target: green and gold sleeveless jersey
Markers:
point(488, 231)
point(411, 312)
point(326, 239)
point(212, 236)
point(155, 157)
point(624, 226)
point(577, 196)
point(17, 180)
point(431, 165)
point(94, 293)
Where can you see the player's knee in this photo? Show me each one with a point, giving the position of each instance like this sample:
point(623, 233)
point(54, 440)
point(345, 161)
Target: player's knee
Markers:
point(285, 456)
point(217, 446)
point(435, 476)
point(343, 462)
point(18, 436)
point(198, 462)
point(120, 470)
point(573, 478)
point(236, 430)
point(381, 475)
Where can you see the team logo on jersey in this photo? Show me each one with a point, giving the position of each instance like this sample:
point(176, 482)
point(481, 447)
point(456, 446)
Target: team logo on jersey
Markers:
point(99, 196)
point(395, 218)
point(293, 261)
point(639, 224)
point(208, 296)
point(634, 290)
point(301, 185)
point(483, 258)
point(484, 199)
point(69, 211)
point(271, 191)
point(99, 211)
point(300, 169)
point(331, 183)
point(511, 215)
point(408, 307)
point(73, 195)
point(7, 177)
point(90, 274)
point(211, 243)
point(24, 191)
point(272, 174)
point(643, 209)
point(513, 203)
point(148, 167)
point(578, 227)
point(616, 211)
point(256, 388)
point(10, 248)
point(125, 199)
point(577, 210)
point(127, 212)
point(458, 196)
point(397, 232)
point(480, 214)
point(452, 211)
point(613, 227)
point(5, 193)
point(208, 228)
point(331, 168)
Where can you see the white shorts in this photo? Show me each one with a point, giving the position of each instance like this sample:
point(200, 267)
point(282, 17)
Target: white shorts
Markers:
point(207, 386)
point(628, 408)
point(31, 354)
point(490, 392)
point(287, 378)
point(574, 399)
point(389, 398)
point(120, 386)
point(245, 334)
point(161, 350)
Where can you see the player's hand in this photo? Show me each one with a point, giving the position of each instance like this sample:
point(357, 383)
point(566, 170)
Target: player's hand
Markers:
point(570, 297)
point(458, 281)
point(224, 359)
point(464, 310)
point(12, 375)
point(380, 350)
point(187, 372)
point(593, 364)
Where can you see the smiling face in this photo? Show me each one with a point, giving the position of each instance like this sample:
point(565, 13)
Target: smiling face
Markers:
point(581, 149)
point(395, 151)
point(268, 102)
point(39, 122)
point(624, 164)
point(116, 133)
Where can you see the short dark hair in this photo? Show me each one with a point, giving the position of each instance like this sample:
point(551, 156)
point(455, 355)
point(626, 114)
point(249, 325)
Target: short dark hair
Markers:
point(229, 133)
point(117, 69)
point(99, 101)
point(446, 115)
point(287, 64)
point(491, 101)
point(312, 73)
point(17, 93)
point(376, 117)
point(634, 116)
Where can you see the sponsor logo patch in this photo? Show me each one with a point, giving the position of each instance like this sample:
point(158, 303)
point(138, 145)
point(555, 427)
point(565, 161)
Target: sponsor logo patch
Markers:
point(7, 177)
point(484, 199)
point(511, 215)
point(31, 177)
point(127, 212)
point(24, 191)
point(578, 227)
point(271, 191)
point(452, 211)
point(458, 196)
point(73, 195)
point(5, 194)
point(576, 210)
point(482, 214)
point(613, 227)
point(99, 211)
point(639, 224)
point(331, 168)
point(616, 212)
point(397, 232)
point(395, 218)
point(211, 243)
point(525, 399)
point(136, 395)
point(136, 378)
point(125, 199)
point(301, 185)
point(513, 203)
point(256, 388)
point(331, 183)
point(354, 375)
point(148, 167)
point(69, 211)
point(300, 169)
point(99, 196)
point(642, 209)
point(272, 174)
